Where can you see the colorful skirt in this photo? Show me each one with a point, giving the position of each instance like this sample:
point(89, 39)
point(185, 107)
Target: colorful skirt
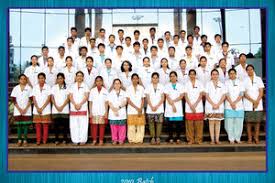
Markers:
point(158, 118)
point(134, 119)
point(229, 113)
point(42, 118)
point(55, 116)
point(98, 120)
point(194, 116)
point(23, 120)
point(254, 116)
point(118, 122)
point(214, 116)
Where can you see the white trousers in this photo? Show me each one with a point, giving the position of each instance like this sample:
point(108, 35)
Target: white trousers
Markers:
point(135, 133)
point(79, 129)
point(234, 128)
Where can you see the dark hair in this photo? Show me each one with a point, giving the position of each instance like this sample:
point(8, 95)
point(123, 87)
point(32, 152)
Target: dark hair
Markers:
point(129, 63)
point(61, 47)
point(160, 39)
point(173, 72)
point(145, 58)
point(172, 47)
point(182, 60)
point(153, 47)
point(133, 75)
point(119, 46)
point(249, 65)
point(73, 28)
point(222, 60)
point(50, 58)
point(192, 70)
point(107, 60)
point(60, 74)
point(41, 74)
point(232, 69)
point(34, 56)
point(217, 35)
point(101, 30)
point(79, 72)
point(89, 57)
point(44, 47)
point(203, 57)
point(128, 37)
point(190, 35)
point(203, 36)
point(136, 31)
point(145, 39)
point(22, 75)
point(207, 43)
point(182, 31)
point(155, 74)
point(166, 61)
point(87, 29)
point(152, 29)
point(242, 54)
point(68, 58)
point(196, 27)
point(92, 39)
point(70, 38)
point(83, 47)
point(225, 43)
point(167, 32)
point(136, 43)
point(176, 36)
point(188, 47)
point(214, 70)
point(100, 44)
point(112, 35)
point(120, 30)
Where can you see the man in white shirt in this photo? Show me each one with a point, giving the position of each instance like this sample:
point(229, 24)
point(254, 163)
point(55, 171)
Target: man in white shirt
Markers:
point(85, 40)
point(80, 61)
point(128, 48)
point(100, 58)
point(178, 47)
point(111, 47)
point(167, 39)
point(217, 46)
point(155, 59)
point(42, 61)
point(74, 36)
point(70, 49)
point(137, 57)
point(212, 60)
point(197, 36)
point(59, 62)
point(92, 50)
point(152, 39)
point(227, 55)
point(101, 37)
point(173, 61)
point(182, 40)
point(162, 51)
point(137, 36)
point(241, 68)
point(121, 39)
point(145, 50)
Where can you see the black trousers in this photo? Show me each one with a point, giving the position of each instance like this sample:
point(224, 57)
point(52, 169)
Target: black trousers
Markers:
point(174, 127)
point(61, 126)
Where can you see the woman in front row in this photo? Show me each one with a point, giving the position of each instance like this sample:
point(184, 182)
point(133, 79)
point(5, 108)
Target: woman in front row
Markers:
point(174, 92)
point(194, 109)
point(214, 106)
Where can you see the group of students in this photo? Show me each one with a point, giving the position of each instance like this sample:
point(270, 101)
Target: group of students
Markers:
point(127, 87)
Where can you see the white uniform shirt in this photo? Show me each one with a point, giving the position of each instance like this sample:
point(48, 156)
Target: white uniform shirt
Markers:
point(85, 42)
point(145, 74)
point(22, 99)
point(173, 63)
point(60, 94)
point(98, 100)
point(136, 97)
point(50, 75)
point(59, 63)
point(203, 75)
point(89, 78)
point(223, 76)
point(93, 51)
point(80, 63)
point(234, 89)
point(193, 93)
point(78, 94)
point(162, 52)
point(164, 76)
point(69, 75)
point(41, 95)
point(116, 100)
point(191, 62)
point(229, 59)
point(182, 76)
point(117, 61)
point(155, 62)
point(215, 94)
point(125, 79)
point(155, 97)
point(241, 72)
point(32, 72)
point(72, 51)
point(252, 89)
point(101, 40)
point(136, 61)
point(173, 94)
point(108, 76)
point(42, 62)
point(211, 60)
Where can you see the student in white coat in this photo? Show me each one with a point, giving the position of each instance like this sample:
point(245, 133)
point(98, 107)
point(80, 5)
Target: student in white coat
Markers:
point(80, 61)
point(203, 73)
point(126, 74)
point(85, 40)
point(90, 72)
point(194, 112)
point(154, 57)
point(224, 53)
point(108, 73)
point(241, 68)
point(212, 61)
point(21, 97)
point(117, 100)
point(164, 72)
point(98, 104)
point(173, 61)
point(78, 95)
point(51, 72)
point(182, 72)
point(135, 111)
point(70, 48)
point(214, 105)
point(118, 58)
point(253, 103)
point(60, 108)
point(223, 71)
point(59, 60)
point(42, 61)
point(69, 71)
point(145, 72)
point(155, 109)
point(32, 71)
point(174, 92)
point(41, 94)
point(234, 109)
point(191, 59)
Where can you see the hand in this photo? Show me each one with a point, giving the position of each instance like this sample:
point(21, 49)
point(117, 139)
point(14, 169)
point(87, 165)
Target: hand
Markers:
point(255, 104)
point(39, 110)
point(116, 114)
point(154, 109)
point(233, 106)
point(139, 112)
point(193, 109)
point(215, 106)
point(106, 115)
point(23, 111)
point(20, 111)
point(77, 107)
point(174, 108)
point(59, 109)
point(115, 109)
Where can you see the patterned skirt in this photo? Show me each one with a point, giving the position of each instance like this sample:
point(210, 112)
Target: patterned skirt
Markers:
point(134, 119)
point(98, 120)
point(214, 116)
point(254, 116)
point(194, 116)
point(118, 122)
point(42, 118)
point(158, 118)
point(23, 120)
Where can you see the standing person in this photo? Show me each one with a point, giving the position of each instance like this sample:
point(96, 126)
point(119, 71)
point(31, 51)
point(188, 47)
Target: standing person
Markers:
point(85, 40)
point(32, 71)
point(234, 110)
point(155, 98)
point(253, 103)
point(80, 61)
point(78, 95)
point(108, 73)
point(41, 94)
point(174, 92)
point(164, 72)
point(50, 72)
point(214, 106)
point(98, 105)
point(117, 100)
point(135, 111)
point(194, 115)
point(21, 97)
point(59, 60)
point(223, 71)
point(203, 73)
point(182, 72)
point(145, 72)
point(44, 57)
point(60, 108)
point(126, 73)
point(69, 71)
point(90, 72)
point(241, 68)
